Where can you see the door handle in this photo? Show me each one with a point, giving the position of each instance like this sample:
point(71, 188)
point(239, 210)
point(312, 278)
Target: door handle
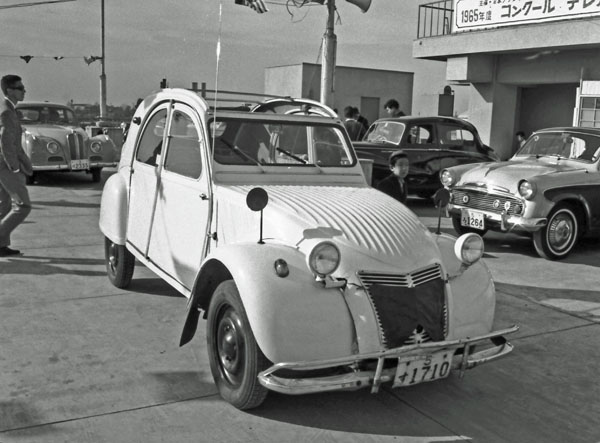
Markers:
point(203, 196)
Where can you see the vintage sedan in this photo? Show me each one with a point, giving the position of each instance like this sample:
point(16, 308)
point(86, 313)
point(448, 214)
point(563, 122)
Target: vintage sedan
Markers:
point(54, 141)
point(550, 189)
point(309, 279)
point(431, 144)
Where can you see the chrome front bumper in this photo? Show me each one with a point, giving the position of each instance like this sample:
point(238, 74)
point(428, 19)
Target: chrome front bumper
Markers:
point(63, 167)
point(507, 222)
point(357, 379)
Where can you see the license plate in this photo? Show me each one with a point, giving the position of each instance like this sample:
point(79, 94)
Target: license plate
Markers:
point(422, 369)
point(472, 219)
point(80, 164)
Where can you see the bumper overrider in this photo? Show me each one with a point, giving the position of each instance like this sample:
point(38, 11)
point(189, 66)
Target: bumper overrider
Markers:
point(430, 361)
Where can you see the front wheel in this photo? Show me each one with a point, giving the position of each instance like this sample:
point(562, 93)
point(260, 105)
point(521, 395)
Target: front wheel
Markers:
point(556, 240)
point(235, 358)
point(119, 263)
point(460, 230)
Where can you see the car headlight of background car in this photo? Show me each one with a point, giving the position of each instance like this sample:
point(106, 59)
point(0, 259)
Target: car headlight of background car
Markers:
point(52, 147)
point(447, 177)
point(96, 147)
point(324, 259)
point(527, 189)
point(469, 248)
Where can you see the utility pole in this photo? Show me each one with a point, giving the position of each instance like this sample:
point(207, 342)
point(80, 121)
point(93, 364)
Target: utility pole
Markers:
point(103, 74)
point(328, 57)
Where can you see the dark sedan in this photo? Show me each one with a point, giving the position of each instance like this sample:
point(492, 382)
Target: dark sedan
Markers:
point(431, 143)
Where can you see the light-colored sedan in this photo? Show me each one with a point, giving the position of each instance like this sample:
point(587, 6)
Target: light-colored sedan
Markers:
point(550, 189)
point(309, 279)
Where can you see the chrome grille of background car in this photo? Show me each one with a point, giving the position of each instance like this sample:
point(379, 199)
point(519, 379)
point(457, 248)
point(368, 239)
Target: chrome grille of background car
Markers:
point(413, 281)
point(409, 280)
point(76, 146)
point(485, 201)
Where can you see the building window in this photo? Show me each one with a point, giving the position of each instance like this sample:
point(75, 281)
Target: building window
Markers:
point(590, 112)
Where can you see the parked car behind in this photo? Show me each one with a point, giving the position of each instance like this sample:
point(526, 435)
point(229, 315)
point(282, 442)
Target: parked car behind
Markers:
point(54, 141)
point(309, 279)
point(550, 189)
point(431, 143)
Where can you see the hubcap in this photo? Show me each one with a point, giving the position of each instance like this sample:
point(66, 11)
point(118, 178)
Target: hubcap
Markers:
point(561, 232)
point(230, 347)
point(113, 257)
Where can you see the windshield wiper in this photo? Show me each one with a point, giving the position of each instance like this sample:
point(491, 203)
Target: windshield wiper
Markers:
point(243, 155)
point(289, 154)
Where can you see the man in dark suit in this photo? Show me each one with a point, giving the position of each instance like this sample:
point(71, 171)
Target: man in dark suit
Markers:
point(394, 184)
point(15, 205)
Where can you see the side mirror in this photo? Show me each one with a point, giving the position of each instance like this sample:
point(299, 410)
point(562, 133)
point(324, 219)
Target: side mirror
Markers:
point(441, 198)
point(257, 200)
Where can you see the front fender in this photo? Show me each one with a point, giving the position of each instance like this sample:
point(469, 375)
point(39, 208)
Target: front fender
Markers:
point(293, 318)
point(113, 209)
point(471, 294)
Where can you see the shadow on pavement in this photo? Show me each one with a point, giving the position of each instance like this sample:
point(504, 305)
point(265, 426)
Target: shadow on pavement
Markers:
point(153, 286)
point(64, 203)
point(25, 265)
point(19, 415)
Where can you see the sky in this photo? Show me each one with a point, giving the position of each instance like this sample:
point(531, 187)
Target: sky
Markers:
point(147, 40)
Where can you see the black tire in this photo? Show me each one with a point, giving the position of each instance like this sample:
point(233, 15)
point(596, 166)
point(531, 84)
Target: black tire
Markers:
point(120, 263)
point(556, 240)
point(235, 358)
point(30, 179)
point(425, 194)
point(96, 174)
point(460, 230)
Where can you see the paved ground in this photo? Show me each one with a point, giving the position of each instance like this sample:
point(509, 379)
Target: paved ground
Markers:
point(81, 361)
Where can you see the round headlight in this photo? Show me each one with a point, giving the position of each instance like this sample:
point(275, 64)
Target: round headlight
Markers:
point(526, 189)
point(96, 147)
point(469, 248)
point(52, 147)
point(446, 177)
point(324, 259)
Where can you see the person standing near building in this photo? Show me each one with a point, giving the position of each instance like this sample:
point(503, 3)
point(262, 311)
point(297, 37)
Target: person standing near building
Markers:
point(521, 139)
point(362, 120)
point(392, 107)
point(354, 128)
point(394, 184)
point(15, 205)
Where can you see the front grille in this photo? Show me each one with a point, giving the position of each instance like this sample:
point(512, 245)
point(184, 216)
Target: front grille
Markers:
point(487, 202)
point(415, 278)
point(76, 146)
point(410, 308)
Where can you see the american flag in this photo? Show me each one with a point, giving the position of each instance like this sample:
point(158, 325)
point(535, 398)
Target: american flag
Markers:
point(258, 5)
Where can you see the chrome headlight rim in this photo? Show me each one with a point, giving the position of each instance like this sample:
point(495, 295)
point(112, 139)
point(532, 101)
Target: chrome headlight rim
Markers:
point(52, 147)
point(447, 177)
point(96, 147)
point(527, 189)
point(469, 248)
point(324, 259)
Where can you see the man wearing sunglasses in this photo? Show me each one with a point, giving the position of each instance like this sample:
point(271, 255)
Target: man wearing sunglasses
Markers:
point(15, 205)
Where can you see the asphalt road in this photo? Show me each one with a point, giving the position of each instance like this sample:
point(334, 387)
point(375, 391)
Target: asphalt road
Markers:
point(82, 361)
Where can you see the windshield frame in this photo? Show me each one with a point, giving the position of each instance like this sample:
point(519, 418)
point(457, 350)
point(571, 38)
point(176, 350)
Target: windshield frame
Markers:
point(380, 123)
point(535, 137)
point(43, 114)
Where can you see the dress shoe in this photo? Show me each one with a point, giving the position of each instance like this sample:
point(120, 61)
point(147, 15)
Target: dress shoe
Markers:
point(5, 251)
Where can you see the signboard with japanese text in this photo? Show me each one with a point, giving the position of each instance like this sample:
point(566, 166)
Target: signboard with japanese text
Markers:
point(481, 14)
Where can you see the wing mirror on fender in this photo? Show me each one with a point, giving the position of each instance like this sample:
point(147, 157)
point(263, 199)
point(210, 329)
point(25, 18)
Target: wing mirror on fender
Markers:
point(257, 200)
point(441, 199)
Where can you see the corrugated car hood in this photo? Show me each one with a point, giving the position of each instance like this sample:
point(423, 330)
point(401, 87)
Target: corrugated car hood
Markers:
point(507, 174)
point(359, 217)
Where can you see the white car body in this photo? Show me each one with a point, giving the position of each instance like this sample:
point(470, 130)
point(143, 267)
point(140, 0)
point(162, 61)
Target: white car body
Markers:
point(198, 233)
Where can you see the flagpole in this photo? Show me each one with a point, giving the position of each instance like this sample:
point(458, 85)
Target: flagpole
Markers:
point(103, 74)
point(328, 57)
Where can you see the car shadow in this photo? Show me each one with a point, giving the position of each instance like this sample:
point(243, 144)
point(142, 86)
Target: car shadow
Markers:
point(65, 203)
point(78, 180)
point(153, 286)
point(33, 266)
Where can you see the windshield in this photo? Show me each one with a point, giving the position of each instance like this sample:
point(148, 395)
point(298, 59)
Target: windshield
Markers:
point(239, 142)
point(385, 131)
point(46, 114)
point(569, 145)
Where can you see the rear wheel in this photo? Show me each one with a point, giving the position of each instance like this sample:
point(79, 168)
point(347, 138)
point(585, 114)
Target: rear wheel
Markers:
point(235, 358)
point(460, 230)
point(96, 174)
point(120, 263)
point(556, 240)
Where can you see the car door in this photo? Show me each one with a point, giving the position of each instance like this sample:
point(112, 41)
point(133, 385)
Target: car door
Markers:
point(459, 145)
point(181, 219)
point(420, 144)
point(144, 180)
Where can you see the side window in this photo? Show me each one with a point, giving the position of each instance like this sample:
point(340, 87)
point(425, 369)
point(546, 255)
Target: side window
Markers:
point(183, 154)
point(150, 145)
point(420, 134)
point(457, 137)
